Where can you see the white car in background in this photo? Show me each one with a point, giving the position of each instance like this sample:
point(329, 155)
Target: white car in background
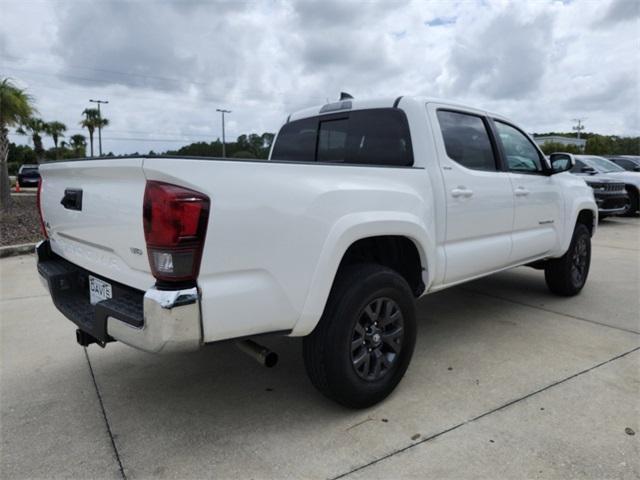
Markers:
point(589, 165)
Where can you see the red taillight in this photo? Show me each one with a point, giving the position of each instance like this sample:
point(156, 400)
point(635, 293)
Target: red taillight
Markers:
point(42, 227)
point(175, 223)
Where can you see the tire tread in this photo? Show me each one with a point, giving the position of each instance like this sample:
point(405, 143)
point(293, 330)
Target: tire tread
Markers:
point(345, 290)
point(557, 271)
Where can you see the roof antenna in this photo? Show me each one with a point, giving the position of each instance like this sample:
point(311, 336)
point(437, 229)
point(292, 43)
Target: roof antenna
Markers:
point(345, 96)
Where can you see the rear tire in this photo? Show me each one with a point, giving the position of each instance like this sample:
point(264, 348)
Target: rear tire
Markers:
point(567, 275)
point(362, 346)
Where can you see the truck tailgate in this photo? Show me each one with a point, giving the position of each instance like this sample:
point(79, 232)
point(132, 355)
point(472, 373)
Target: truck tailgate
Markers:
point(100, 227)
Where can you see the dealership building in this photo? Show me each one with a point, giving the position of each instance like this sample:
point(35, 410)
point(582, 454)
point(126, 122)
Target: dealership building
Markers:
point(576, 142)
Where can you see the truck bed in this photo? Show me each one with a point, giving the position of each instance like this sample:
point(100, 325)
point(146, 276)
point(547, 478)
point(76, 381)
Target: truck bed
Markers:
point(269, 228)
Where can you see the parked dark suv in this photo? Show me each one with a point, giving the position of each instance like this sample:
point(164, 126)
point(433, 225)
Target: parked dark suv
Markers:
point(28, 175)
point(628, 162)
point(611, 196)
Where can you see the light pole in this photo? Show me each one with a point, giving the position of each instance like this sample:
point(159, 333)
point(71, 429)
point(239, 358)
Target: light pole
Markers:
point(579, 127)
point(99, 123)
point(224, 151)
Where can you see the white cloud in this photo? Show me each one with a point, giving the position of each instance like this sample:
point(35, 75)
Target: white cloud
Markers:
point(166, 66)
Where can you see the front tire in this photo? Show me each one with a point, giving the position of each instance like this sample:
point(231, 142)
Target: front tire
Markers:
point(634, 203)
point(362, 346)
point(567, 275)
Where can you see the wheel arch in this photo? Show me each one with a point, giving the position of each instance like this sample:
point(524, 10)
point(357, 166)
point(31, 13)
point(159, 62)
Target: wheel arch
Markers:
point(588, 218)
point(348, 235)
point(583, 212)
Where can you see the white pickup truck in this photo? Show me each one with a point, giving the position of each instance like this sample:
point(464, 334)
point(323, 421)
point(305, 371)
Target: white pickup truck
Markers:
point(362, 207)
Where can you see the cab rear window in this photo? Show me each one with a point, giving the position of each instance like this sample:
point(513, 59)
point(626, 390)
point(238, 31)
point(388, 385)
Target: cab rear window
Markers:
point(367, 137)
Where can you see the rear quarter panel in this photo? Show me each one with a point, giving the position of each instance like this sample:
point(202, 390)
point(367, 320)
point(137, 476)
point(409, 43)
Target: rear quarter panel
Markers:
point(277, 233)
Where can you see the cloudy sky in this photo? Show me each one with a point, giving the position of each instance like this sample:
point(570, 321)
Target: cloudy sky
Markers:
point(165, 66)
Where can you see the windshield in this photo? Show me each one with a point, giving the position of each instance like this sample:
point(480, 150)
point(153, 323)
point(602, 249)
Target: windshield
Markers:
point(29, 170)
point(602, 165)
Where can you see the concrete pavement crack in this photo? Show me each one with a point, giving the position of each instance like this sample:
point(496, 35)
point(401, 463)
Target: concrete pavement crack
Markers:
point(104, 415)
point(575, 317)
point(487, 413)
point(25, 297)
point(599, 245)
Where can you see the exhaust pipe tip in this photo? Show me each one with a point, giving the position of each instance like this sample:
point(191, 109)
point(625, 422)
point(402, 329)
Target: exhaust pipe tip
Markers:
point(259, 353)
point(270, 359)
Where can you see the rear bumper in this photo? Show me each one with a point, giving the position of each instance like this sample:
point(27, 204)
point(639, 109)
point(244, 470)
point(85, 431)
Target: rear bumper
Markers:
point(156, 321)
point(23, 181)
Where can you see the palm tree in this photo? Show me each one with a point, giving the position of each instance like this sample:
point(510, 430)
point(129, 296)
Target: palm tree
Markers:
point(93, 120)
point(35, 127)
point(55, 130)
point(15, 107)
point(78, 144)
point(100, 124)
point(90, 122)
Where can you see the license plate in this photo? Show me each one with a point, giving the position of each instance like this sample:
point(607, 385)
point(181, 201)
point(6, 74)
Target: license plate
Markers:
point(98, 290)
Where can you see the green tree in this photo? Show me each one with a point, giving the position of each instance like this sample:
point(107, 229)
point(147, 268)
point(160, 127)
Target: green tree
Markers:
point(91, 121)
point(15, 107)
point(243, 154)
point(257, 145)
point(78, 144)
point(21, 154)
point(600, 145)
point(34, 127)
point(604, 144)
point(267, 138)
point(55, 130)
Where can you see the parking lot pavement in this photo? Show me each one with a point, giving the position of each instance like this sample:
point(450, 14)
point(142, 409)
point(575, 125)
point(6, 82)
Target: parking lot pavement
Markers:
point(50, 418)
point(491, 355)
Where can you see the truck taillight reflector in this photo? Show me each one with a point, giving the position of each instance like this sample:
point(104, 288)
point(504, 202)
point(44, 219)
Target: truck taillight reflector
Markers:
point(38, 200)
point(175, 223)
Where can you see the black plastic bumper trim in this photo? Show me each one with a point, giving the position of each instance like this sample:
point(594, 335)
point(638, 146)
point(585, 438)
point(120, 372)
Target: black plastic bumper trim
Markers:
point(69, 289)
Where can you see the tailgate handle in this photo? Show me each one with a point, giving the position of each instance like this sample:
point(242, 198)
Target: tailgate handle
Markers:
point(72, 199)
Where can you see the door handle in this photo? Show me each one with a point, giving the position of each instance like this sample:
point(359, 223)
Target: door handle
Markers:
point(521, 192)
point(461, 192)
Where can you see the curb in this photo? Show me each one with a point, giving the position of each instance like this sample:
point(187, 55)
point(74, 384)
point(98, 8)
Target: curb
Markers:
point(13, 250)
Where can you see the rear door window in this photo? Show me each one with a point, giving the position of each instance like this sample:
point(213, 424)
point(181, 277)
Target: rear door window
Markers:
point(466, 140)
point(379, 137)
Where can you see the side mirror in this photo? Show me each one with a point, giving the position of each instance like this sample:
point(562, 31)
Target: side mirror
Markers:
point(589, 170)
point(636, 169)
point(561, 162)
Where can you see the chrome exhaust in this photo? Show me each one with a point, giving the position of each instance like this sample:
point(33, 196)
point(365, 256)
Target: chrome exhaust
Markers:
point(259, 353)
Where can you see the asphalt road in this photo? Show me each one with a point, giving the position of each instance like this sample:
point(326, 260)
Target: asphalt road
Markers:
point(507, 381)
